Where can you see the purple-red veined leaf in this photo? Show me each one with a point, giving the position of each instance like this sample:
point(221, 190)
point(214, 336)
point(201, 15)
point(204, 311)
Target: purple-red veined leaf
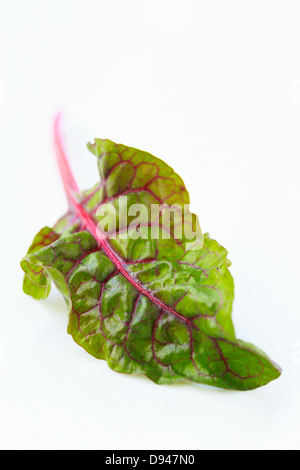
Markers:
point(146, 305)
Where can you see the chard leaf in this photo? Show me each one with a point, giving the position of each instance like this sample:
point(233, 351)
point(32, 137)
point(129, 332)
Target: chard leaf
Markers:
point(146, 306)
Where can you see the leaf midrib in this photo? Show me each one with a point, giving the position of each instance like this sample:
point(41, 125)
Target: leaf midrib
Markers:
point(92, 228)
point(71, 188)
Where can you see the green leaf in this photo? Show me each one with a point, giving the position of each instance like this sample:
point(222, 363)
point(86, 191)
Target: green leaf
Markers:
point(147, 305)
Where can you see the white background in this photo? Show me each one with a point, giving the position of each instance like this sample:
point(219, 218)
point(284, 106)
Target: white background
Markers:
point(212, 87)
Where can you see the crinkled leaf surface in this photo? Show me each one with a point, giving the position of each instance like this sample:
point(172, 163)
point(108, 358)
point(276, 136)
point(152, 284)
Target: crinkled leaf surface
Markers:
point(147, 306)
point(67, 224)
